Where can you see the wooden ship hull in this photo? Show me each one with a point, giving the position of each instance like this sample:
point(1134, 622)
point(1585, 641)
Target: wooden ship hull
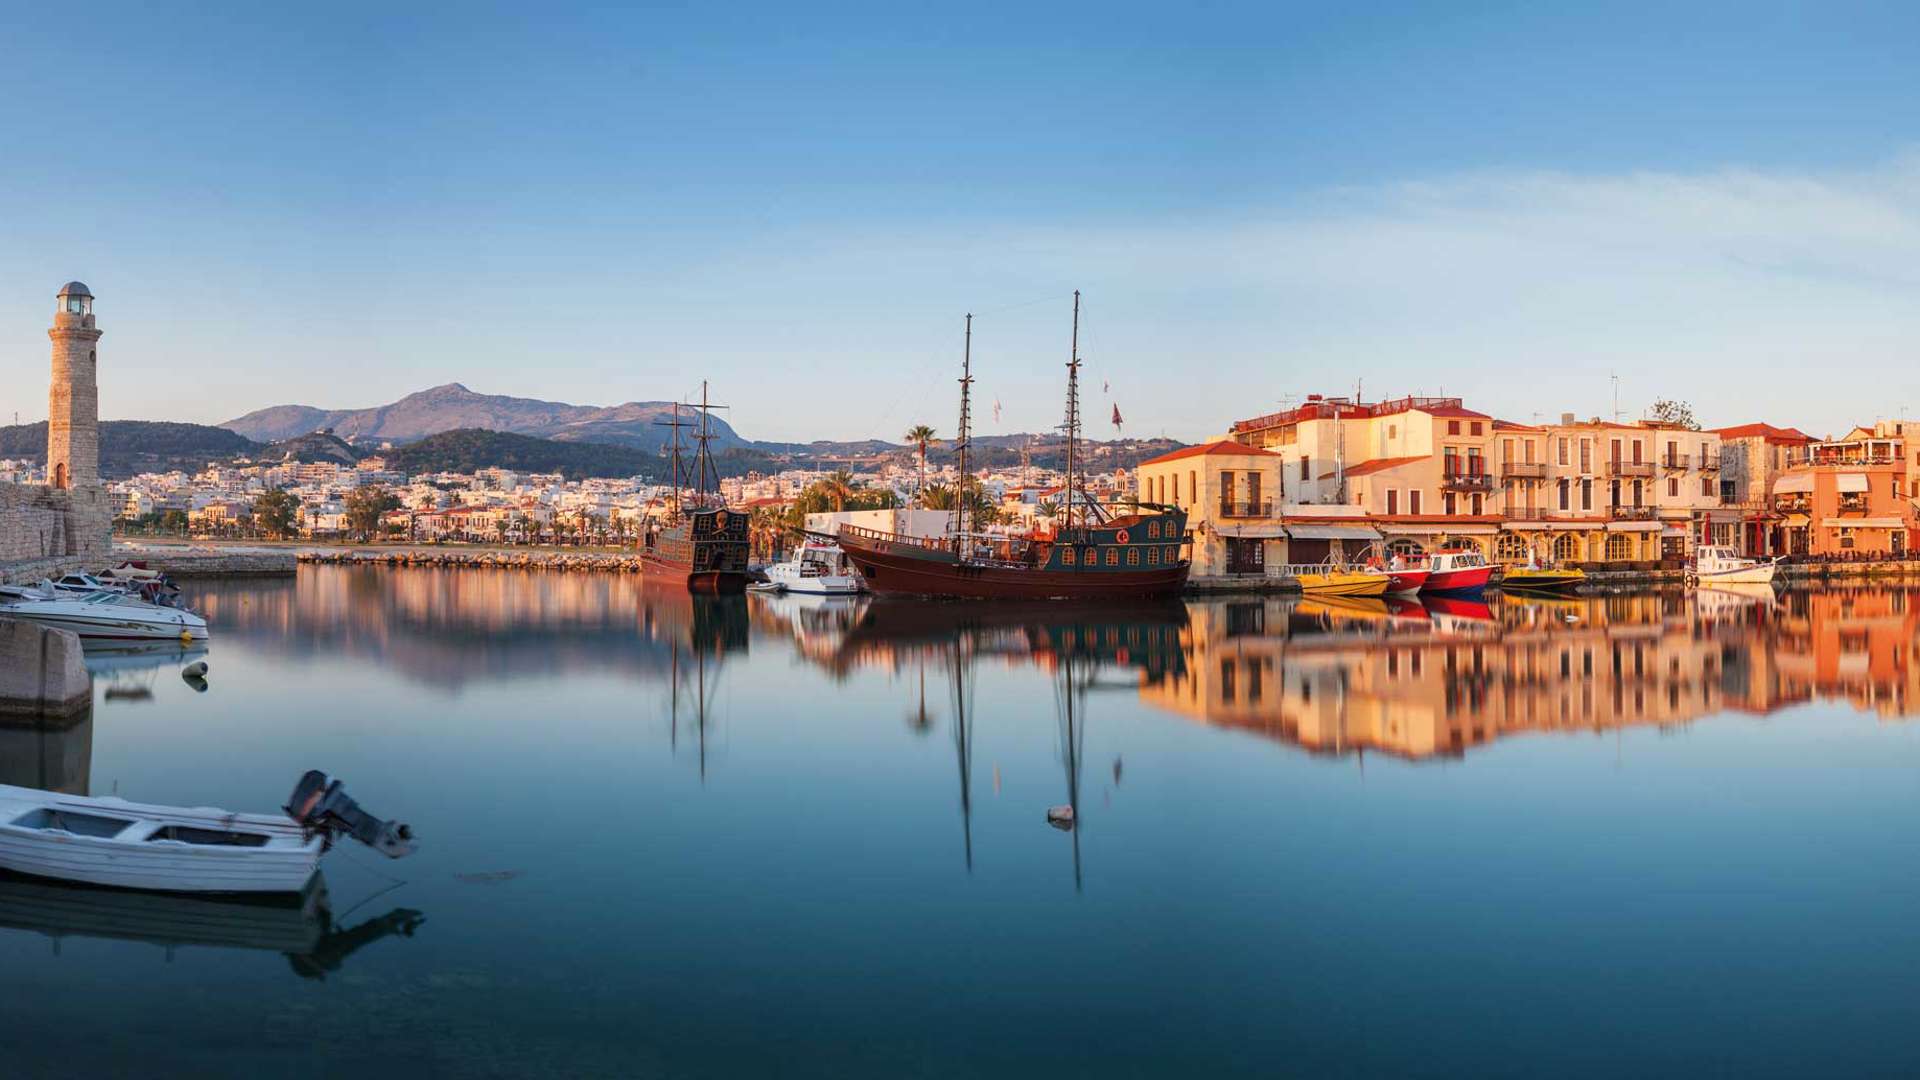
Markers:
point(1103, 563)
point(706, 553)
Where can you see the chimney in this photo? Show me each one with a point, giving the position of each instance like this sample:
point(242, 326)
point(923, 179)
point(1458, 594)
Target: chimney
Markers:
point(1566, 418)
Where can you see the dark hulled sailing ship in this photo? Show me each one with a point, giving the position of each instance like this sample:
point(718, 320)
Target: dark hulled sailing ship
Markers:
point(703, 545)
point(1093, 555)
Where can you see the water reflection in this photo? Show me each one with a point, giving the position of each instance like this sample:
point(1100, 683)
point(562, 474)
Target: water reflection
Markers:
point(303, 930)
point(54, 754)
point(1437, 679)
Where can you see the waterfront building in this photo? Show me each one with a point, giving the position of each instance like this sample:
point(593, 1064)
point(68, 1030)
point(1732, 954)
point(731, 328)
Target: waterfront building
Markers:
point(1228, 490)
point(1752, 456)
point(1851, 496)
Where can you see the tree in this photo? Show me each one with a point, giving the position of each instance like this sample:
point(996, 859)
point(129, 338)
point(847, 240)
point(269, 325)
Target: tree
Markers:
point(366, 506)
point(921, 435)
point(1670, 411)
point(274, 512)
point(838, 488)
point(1047, 508)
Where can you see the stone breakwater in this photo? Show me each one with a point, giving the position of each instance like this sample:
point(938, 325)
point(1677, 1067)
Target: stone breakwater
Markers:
point(600, 561)
point(222, 564)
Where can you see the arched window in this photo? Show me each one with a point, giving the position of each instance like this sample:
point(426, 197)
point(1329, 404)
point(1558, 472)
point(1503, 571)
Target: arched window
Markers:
point(1512, 547)
point(1619, 546)
point(60, 475)
point(1404, 546)
point(1566, 548)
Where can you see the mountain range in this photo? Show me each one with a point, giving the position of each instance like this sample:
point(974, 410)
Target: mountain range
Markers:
point(454, 407)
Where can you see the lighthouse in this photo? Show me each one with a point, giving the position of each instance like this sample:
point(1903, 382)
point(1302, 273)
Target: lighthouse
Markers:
point(73, 398)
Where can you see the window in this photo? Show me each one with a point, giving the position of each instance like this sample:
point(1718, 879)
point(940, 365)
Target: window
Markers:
point(1564, 503)
point(1306, 466)
point(1619, 546)
point(1613, 493)
point(1474, 427)
point(1586, 455)
point(1393, 501)
point(1447, 503)
point(1453, 427)
point(1706, 487)
point(1153, 555)
point(1586, 494)
point(1067, 556)
point(1413, 501)
point(1636, 451)
point(1451, 458)
point(1506, 451)
point(1393, 431)
point(1566, 548)
point(1113, 556)
point(1511, 547)
point(1614, 452)
point(1479, 506)
point(1153, 530)
point(1673, 486)
point(1563, 451)
point(1133, 556)
point(1528, 444)
point(1636, 489)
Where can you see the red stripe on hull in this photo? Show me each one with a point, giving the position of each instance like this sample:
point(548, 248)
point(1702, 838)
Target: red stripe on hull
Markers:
point(1472, 579)
point(888, 573)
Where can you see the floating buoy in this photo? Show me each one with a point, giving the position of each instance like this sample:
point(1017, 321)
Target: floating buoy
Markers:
point(186, 637)
point(195, 670)
point(1060, 817)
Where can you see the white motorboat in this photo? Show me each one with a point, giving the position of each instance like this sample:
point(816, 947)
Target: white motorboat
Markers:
point(82, 585)
point(817, 567)
point(110, 841)
point(105, 615)
point(1713, 565)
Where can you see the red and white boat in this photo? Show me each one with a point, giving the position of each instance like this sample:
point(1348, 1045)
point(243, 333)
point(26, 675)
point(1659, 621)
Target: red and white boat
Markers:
point(1457, 570)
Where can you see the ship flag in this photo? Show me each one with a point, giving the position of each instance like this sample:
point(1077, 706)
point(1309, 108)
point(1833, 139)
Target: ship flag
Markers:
point(1116, 417)
point(996, 410)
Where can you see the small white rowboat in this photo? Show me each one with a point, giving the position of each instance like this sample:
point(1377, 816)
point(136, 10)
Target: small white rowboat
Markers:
point(110, 841)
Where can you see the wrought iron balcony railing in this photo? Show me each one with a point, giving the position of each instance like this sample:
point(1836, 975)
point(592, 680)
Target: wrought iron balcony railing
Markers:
point(1246, 508)
point(1630, 513)
point(1524, 470)
point(1468, 481)
point(1676, 461)
point(1631, 468)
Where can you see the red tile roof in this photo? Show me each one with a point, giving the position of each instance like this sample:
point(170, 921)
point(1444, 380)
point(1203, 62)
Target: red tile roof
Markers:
point(1771, 433)
point(1222, 447)
point(1377, 465)
point(1514, 425)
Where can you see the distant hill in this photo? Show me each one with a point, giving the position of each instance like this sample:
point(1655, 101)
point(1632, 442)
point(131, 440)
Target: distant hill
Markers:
point(128, 447)
point(453, 407)
point(318, 446)
point(472, 448)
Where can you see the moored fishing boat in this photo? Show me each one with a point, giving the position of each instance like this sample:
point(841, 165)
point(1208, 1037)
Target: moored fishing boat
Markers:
point(110, 841)
point(1326, 579)
point(1539, 578)
point(1456, 571)
point(818, 567)
point(1713, 565)
point(1094, 554)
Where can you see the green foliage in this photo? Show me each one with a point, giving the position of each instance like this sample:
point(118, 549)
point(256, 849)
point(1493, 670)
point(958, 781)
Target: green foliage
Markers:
point(469, 449)
point(981, 509)
point(1674, 412)
point(366, 506)
point(836, 493)
point(274, 512)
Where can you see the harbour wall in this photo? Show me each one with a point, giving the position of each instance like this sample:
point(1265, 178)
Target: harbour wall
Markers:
point(601, 561)
point(42, 671)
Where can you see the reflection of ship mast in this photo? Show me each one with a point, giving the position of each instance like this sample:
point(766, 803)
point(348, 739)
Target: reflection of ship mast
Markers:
point(1072, 704)
point(700, 685)
point(963, 740)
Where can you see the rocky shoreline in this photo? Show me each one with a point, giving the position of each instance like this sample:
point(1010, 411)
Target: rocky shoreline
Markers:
point(600, 561)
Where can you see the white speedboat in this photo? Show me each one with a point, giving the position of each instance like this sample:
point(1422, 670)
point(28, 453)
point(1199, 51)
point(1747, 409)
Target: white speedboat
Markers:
point(105, 615)
point(817, 567)
point(1714, 565)
point(82, 585)
point(110, 841)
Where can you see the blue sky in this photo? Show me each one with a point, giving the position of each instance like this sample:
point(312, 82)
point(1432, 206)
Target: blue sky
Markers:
point(339, 205)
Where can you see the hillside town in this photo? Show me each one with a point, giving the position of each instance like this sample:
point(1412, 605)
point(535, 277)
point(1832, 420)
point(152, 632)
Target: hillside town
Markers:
point(1333, 477)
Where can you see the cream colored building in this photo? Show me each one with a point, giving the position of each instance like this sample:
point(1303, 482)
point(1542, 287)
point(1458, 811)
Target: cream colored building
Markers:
point(1230, 492)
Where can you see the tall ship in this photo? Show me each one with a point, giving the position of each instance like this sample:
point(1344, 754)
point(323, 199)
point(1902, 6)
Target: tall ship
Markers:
point(1094, 554)
point(704, 544)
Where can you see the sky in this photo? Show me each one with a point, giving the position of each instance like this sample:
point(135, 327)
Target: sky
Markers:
point(336, 205)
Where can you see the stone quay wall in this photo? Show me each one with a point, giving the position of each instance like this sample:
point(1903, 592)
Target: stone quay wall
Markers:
point(220, 564)
point(599, 561)
point(41, 522)
point(42, 672)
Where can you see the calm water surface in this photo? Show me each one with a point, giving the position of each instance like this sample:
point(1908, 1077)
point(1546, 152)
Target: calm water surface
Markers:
point(752, 836)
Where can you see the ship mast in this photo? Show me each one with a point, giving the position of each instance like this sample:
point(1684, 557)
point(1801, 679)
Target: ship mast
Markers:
point(679, 478)
point(703, 459)
point(964, 443)
point(1072, 426)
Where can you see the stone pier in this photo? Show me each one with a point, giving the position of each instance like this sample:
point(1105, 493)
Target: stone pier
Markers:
point(42, 672)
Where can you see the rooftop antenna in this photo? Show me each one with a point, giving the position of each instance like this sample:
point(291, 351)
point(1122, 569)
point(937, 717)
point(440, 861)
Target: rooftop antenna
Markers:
point(1616, 396)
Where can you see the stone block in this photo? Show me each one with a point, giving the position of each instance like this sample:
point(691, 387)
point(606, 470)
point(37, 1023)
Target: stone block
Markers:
point(42, 671)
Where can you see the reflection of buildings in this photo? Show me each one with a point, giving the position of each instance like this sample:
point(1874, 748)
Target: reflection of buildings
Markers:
point(448, 627)
point(1570, 665)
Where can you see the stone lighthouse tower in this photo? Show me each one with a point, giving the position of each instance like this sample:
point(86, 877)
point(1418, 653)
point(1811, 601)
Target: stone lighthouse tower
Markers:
point(73, 400)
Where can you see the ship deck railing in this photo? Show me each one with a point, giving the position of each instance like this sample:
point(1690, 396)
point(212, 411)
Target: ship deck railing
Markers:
point(966, 548)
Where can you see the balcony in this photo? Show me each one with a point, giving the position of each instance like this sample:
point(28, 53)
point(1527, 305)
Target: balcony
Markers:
point(1528, 513)
point(1468, 481)
point(1524, 470)
point(1631, 468)
point(1246, 508)
point(1709, 462)
point(1630, 513)
point(1676, 461)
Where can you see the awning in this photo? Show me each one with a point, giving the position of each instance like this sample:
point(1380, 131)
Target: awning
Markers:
point(1794, 484)
point(1673, 530)
point(1848, 483)
point(1797, 521)
point(1724, 517)
point(1529, 526)
point(1633, 526)
point(1251, 532)
point(1428, 528)
point(1333, 532)
point(1864, 523)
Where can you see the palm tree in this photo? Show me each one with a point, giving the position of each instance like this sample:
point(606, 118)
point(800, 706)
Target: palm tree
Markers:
point(838, 488)
point(921, 435)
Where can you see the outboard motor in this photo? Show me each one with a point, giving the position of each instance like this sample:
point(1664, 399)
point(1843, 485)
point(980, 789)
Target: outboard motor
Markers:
point(321, 806)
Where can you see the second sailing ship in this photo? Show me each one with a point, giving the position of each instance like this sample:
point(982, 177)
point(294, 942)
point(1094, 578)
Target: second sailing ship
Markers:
point(704, 544)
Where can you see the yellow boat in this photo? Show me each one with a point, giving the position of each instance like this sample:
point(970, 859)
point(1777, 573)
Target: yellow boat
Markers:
point(1541, 579)
point(1337, 581)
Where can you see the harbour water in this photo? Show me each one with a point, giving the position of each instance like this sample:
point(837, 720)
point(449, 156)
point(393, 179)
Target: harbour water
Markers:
point(731, 836)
